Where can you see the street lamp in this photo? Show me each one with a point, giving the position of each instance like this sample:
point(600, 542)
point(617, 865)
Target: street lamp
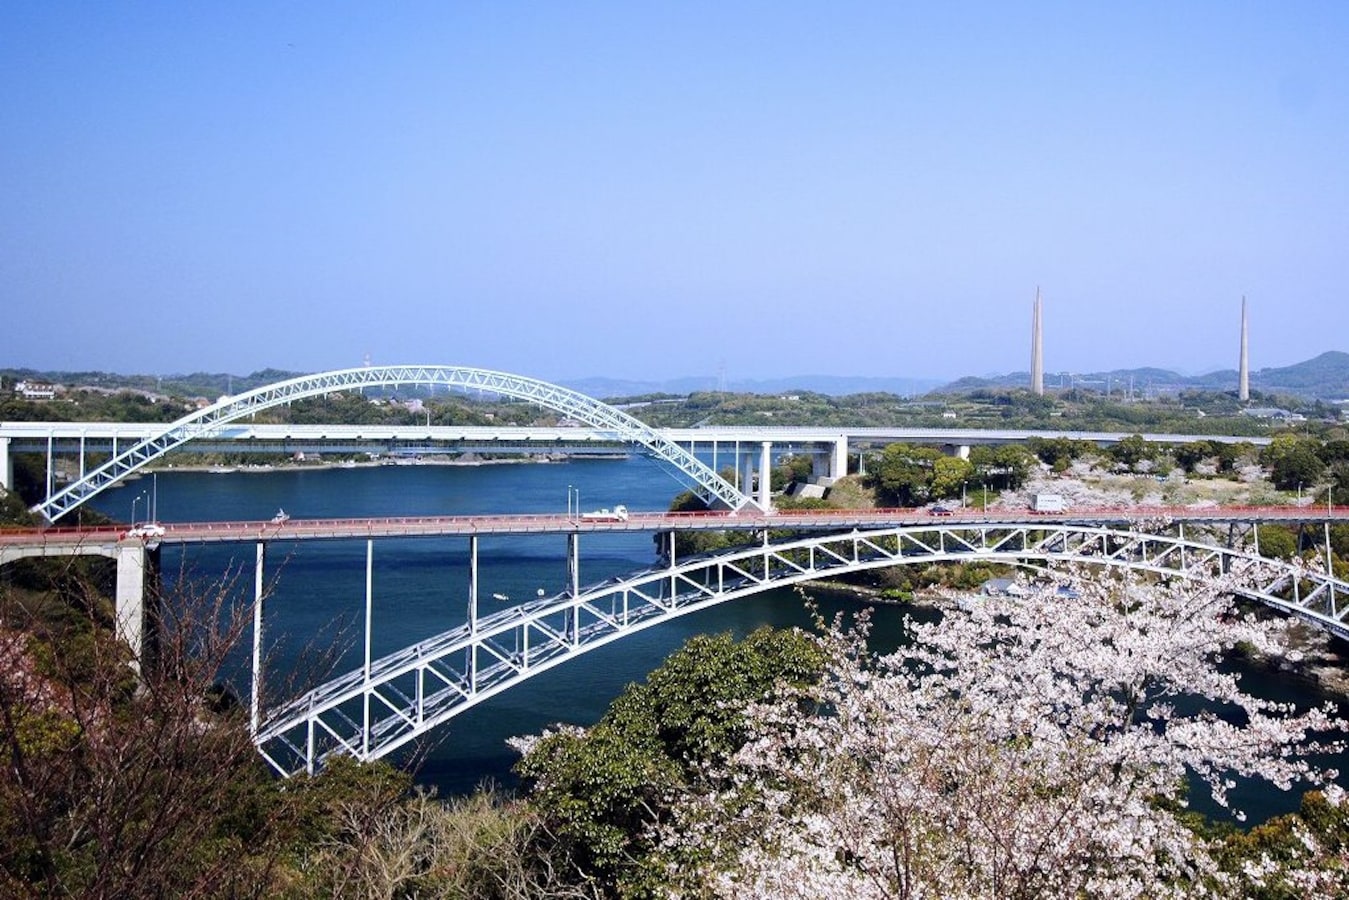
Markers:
point(134, 500)
point(570, 491)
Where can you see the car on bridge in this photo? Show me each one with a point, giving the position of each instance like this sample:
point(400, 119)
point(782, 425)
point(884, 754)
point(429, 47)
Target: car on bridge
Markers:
point(617, 514)
point(146, 530)
point(942, 510)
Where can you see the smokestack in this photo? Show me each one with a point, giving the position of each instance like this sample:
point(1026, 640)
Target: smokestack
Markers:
point(1244, 370)
point(1037, 360)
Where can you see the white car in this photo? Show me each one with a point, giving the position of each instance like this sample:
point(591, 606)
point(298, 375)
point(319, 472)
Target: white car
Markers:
point(146, 530)
point(617, 514)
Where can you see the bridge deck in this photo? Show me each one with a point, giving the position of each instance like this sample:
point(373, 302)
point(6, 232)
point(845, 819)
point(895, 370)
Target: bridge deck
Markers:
point(804, 520)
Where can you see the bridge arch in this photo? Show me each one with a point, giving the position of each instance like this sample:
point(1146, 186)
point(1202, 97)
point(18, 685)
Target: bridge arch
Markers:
point(713, 489)
point(401, 697)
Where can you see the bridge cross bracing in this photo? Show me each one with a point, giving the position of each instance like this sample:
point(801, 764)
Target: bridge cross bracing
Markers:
point(392, 701)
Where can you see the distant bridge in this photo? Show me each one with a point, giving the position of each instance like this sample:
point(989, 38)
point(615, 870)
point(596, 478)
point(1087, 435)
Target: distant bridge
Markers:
point(737, 446)
point(208, 423)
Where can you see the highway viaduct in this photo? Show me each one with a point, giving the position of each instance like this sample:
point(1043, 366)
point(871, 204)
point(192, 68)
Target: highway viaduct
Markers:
point(724, 445)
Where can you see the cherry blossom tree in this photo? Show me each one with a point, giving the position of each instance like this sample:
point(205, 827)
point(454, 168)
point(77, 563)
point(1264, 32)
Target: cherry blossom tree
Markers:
point(1020, 747)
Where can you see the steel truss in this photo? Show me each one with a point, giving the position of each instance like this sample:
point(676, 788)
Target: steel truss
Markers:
point(205, 424)
point(374, 711)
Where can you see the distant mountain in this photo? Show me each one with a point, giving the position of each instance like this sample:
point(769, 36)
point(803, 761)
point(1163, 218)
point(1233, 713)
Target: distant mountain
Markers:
point(1325, 377)
point(833, 385)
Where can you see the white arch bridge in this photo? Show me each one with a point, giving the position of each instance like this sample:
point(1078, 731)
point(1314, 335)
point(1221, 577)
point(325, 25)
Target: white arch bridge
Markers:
point(392, 701)
point(206, 423)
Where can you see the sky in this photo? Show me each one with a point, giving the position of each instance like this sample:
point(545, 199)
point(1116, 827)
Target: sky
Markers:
point(653, 190)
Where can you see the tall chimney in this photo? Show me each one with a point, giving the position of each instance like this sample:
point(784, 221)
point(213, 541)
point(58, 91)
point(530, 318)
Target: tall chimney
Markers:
point(1244, 370)
point(1037, 360)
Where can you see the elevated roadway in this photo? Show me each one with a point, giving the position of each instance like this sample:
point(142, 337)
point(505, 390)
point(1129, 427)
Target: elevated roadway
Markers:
point(32, 437)
point(722, 444)
point(18, 543)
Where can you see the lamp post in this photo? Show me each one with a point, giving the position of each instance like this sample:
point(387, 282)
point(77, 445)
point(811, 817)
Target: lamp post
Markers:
point(985, 496)
point(570, 492)
point(134, 500)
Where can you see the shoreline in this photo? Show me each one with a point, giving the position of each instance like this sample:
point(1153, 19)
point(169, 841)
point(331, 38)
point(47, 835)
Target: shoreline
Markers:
point(296, 465)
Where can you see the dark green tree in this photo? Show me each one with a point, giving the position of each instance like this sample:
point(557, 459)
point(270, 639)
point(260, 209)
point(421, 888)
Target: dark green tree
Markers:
point(1191, 454)
point(1293, 461)
point(601, 789)
point(1004, 468)
point(1129, 451)
point(903, 476)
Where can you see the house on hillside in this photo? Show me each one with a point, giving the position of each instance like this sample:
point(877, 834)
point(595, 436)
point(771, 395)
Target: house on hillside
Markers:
point(35, 390)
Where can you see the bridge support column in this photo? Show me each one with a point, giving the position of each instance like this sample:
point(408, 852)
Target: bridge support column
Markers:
point(51, 467)
point(746, 466)
point(365, 671)
point(137, 576)
point(1330, 567)
point(6, 465)
point(255, 700)
point(833, 465)
point(473, 584)
point(766, 476)
point(838, 461)
point(574, 581)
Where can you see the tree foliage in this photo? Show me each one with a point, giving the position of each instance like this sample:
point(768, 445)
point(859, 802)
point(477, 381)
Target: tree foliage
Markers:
point(601, 789)
point(1023, 747)
point(903, 476)
point(1004, 467)
point(1293, 462)
point(124, 787)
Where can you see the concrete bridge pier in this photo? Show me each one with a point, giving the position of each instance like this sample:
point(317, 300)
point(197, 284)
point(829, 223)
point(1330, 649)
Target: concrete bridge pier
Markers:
point(136, 593)
point(6, 465)
point(833, 465)
point(766, 476)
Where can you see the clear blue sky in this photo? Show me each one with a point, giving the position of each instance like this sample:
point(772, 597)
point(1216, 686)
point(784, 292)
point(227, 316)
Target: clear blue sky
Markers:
point(652, 190)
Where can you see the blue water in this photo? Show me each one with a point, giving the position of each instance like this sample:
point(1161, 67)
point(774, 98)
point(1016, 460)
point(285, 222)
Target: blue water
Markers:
point(421, 586)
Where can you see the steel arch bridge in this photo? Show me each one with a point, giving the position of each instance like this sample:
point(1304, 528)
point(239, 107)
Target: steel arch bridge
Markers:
point(713, 489)
point(375, 710)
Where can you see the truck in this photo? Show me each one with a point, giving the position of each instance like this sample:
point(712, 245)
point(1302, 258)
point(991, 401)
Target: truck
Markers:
point(1047, 503)
point(617, 514)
